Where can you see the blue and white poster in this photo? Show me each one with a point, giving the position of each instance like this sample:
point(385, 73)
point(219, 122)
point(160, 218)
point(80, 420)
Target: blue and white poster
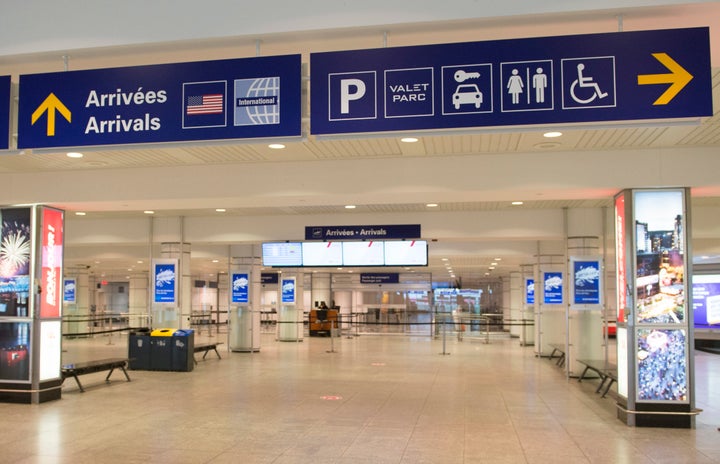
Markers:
point(530, 291)
point(240, 285)
point(288, 290)
point(552, 287)
point(165, 281)
point(619, 76)
point(586, 281)
point(196, 101)
point(69, 290)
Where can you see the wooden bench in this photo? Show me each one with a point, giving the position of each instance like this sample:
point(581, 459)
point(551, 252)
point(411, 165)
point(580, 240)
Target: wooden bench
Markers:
point(205, 348)
point(90, 367)
point(606, 371)
point(560, 349)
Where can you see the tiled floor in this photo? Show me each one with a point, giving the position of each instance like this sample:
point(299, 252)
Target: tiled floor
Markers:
point(378, 399)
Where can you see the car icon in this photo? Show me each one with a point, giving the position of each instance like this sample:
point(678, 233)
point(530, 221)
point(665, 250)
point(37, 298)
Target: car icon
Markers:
point(467, 94)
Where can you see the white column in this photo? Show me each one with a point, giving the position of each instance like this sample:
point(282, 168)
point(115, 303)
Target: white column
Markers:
point(138, 298)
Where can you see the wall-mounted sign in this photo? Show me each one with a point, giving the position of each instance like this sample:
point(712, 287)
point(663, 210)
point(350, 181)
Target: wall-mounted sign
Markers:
point(622, 76)
point(586, 281)
point(165, 281)
point(552, 287)
point(69, 290)
point(288, 290)
point(5, 90)
point(210, 100)
point(269, 278)
point(395, 231)
point(240, 286)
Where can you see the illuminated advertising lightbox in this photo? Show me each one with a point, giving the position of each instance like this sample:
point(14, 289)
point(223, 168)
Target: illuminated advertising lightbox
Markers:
point(288, 290)
point(586, 281)
point(69, 290)
point(50, 350)
point(662, 365)
point(552, 287)
point(322, 254)
point(15, 255)
point(530, 291)
point(240, 286)
point(52, 258)
point(706, 301)
point(660, 248)
point(165, 281)
point(620, 255)
point(14, 351)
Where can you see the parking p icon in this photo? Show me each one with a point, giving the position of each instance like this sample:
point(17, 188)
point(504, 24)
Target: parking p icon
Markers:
point(352, 96)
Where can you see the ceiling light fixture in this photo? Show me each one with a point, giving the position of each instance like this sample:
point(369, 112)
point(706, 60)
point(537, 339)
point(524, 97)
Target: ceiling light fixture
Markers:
point(409, 139)
point(276, 146)
point(350, 206)
point(80, 213)
point(74, 154)
point(552, 134)
point(432, 205)
point(516, 203)
point(149, 211)
point(220, 210)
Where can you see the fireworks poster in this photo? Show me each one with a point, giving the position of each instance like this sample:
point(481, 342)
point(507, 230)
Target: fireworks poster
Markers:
point(553, 287)
point(586, 281)
point(165, 281)
point(240, 288)
point(15, 255)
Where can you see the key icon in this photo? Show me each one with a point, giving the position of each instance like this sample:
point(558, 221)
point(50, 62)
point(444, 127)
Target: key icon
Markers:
point(462, 76)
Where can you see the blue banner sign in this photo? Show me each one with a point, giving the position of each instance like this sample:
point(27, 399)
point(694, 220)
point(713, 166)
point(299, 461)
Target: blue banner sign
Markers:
point(553, 287)
point(395, 231)
point(288, 290)
point(530, 291)
point(69, 290)
point(586, 288)
point(211, 100)
point(240, 285)
point(380, 278)
point(623, 76)
point(5, 90)
point(165, 277)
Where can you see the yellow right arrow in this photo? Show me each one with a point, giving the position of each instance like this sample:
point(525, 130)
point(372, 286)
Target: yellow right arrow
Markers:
point(51, 104)
point(678, 77)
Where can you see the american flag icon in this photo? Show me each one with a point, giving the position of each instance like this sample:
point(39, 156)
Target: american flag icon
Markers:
point(205, 104)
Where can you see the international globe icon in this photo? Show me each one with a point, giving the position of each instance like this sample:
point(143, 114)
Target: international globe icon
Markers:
point(264, 114)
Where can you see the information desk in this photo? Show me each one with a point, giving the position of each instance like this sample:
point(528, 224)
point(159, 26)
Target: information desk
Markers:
point(322, 321)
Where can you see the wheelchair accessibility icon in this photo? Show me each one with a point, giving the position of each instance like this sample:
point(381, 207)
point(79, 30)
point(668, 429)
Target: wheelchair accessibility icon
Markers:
point(584, 82)
point(589, 82)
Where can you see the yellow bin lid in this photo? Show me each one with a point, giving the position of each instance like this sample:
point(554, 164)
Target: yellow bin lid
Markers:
point(162, 333)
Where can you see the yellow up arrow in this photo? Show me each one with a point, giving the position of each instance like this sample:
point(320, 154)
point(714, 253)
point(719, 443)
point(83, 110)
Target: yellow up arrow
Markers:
point(51, 104)
point(678, 77)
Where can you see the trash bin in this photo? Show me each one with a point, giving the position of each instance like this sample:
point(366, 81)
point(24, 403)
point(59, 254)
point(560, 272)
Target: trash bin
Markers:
point(161, 349)
point(139, 349)
point(183, 344)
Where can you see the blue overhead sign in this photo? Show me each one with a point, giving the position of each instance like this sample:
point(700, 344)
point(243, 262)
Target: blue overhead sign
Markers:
point(5, 89)
point(211, 100)
point(623, 76)
point(394, 231)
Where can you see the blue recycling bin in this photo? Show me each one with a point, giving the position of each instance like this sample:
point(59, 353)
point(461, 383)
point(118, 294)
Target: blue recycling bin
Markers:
point(183, 349)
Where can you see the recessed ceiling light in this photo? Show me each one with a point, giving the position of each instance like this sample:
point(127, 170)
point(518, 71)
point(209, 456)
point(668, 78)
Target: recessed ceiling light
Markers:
point(498, 259)
point(276, 146)
point(409, 139)
point(552, 134)
point(149, 211)
point(74, 154)
point(220, 210)
point(80, 213)
point(444, 259)
point(350, 206)
point(431, 205)
point(215, 260)
point(139, 262)
point(517, 203)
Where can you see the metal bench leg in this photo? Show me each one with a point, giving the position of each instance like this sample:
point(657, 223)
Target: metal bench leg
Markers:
point(602, 383)
point(217, 353)
point(582, 376)
point(607, 389)
point(125, 372)
point(82, 390)
point(107, 379)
